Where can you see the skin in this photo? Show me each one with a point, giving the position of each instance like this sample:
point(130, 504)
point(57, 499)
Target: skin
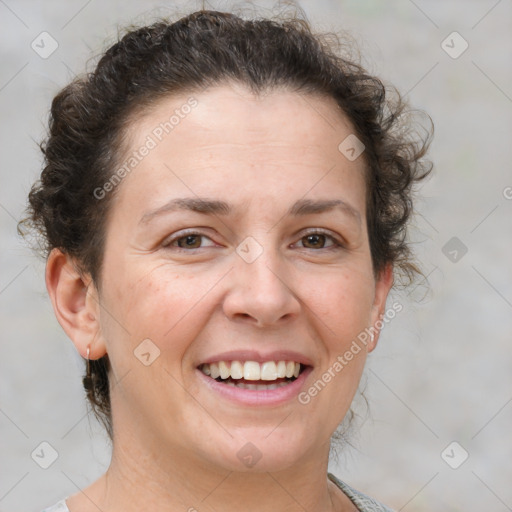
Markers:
point(175, 441)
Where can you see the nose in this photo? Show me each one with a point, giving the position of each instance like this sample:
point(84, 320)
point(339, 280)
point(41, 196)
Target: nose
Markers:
point(261, 292)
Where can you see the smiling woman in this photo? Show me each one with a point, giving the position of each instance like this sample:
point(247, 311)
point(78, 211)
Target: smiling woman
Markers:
point(224, 205)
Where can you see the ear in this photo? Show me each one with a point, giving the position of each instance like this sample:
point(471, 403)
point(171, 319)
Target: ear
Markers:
point(382, 287)
point(76, 304)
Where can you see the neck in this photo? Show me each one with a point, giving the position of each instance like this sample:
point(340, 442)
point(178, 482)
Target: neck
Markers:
point(141, 478)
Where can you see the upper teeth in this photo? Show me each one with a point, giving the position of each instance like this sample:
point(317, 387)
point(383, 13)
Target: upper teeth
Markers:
point(251, 370)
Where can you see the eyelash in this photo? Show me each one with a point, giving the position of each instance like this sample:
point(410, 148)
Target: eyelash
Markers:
point(336, 244)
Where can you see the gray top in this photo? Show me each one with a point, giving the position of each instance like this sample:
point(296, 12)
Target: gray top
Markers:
point(361, 501)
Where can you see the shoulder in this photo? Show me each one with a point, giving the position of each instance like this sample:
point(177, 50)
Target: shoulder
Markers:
point(363, 502)
point(58, 507)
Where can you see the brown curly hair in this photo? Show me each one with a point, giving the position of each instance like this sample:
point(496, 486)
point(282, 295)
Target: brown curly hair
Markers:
point(90, 116)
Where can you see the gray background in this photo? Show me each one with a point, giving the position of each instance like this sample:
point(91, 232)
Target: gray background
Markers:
point(442, 372)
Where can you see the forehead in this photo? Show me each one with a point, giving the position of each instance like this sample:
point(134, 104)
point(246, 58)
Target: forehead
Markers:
point(233, 135)
point(231, 113)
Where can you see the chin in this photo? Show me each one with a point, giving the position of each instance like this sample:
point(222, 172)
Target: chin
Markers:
point(261, 450)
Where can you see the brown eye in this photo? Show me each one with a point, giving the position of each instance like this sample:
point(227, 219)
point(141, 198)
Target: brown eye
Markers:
point(189, 241)
point(314, 241)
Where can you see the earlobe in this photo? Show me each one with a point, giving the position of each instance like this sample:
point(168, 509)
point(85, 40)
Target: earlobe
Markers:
point(382, 287)
point(75, 303)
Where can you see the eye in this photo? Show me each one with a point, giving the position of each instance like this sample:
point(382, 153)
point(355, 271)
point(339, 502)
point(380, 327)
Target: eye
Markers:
point(190, 240)
point(318, 240)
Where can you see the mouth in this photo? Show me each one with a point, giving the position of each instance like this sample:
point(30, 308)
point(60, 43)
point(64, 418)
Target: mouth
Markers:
point(252, 375)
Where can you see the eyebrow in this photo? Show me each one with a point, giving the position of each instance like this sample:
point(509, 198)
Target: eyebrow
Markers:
point(215, 207)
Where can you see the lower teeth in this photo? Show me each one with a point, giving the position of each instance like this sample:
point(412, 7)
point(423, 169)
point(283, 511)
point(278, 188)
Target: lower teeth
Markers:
point(243, 385)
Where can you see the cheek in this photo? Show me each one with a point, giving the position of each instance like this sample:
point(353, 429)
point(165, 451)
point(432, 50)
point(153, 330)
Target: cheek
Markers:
point(341, 313)
point(160, 304)
point(341, 300)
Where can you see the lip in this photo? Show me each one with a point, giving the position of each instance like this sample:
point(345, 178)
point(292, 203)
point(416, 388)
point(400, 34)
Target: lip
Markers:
point(256, 397)
point(259, 357)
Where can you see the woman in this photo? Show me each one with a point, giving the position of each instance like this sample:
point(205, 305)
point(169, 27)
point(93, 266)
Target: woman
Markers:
point(225, 206)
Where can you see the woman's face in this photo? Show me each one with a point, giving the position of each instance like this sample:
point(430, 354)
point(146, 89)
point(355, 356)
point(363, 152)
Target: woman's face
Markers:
point(237, 241)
